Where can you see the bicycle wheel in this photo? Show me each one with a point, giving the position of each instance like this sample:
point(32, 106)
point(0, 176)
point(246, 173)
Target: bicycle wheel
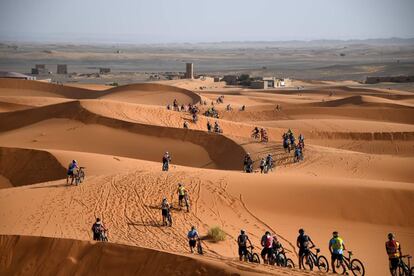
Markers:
point(357, 267)
point(290, 263)
point(403, 270)
point(322, 264)
point(256, 258)
point(281, 259)
point(249, 257)
point(307, 263)
point(340, 269)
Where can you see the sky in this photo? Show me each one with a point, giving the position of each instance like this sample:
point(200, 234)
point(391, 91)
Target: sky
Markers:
point(179, 21)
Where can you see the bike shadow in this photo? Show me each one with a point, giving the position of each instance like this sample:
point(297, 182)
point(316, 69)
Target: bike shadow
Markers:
point(65, 186)
point(145, 224)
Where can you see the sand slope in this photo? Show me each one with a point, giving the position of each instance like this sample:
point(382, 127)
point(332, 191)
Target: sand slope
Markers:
point(46, 256)
point(356, 178)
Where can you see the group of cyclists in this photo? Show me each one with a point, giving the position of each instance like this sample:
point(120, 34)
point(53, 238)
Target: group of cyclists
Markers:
point(272, 249)
point(289, 144)
point(260, 134)
point(216, 128)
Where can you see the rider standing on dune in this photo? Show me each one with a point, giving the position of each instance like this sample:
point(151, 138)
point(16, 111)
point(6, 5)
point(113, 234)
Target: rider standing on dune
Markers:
point(71, 168)
point(181, 193)
point(394, 253)
point(98, 229)
point(192, 238)
point(303, 242)
point(336, 247)
point(267, 243)
point(166, 159)
point(242, 243)
point(165, 209)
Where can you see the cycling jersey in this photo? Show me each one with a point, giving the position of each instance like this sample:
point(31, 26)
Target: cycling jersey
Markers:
point(192, 234)
point(242, 240)
point(181, 190)
point(393, 249)
point(304, 241)
point(337, 245)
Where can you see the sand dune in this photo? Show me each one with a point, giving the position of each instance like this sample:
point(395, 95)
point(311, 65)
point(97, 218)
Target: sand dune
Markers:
point(69, 257)
point(79, 129)
point(157, 94)
point(356, 178)
point(24, 166)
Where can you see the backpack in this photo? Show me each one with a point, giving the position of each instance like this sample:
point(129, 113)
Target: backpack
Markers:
point(96, 228)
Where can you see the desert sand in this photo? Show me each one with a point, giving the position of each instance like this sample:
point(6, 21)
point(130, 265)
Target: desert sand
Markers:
point(357, 175)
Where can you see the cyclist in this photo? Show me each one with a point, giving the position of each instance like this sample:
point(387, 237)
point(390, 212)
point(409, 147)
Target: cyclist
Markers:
point(192, 238)
point(267, 243)
point(165, 209)
point(262, 165)
point(181, 192)
point(394, 253)
point(303, 243)
point(166, 160)
point(277, 248)
point(269, 162)
point(242, 243)
point(248, 163)
point(209, 126)
point(71, 168)
point(98, 230)
point(255, 132)
point(336, 247)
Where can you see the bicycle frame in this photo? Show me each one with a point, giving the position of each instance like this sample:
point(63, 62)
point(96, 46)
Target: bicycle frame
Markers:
point(403, 265)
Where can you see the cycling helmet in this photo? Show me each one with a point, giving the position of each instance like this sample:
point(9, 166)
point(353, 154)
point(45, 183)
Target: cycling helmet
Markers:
point(74, 161)
point(391, 236)
point(267, 233)
point(98, 219)
point(301, 231)
point(335, 233)
point(242, 231)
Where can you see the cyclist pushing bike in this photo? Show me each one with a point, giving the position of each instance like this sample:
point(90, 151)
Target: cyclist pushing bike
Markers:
point(393, 249)
point(303, 243)
point(336, 247)
point(242, 243)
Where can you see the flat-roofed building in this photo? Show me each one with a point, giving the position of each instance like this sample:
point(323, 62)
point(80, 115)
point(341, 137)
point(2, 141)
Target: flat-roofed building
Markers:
point(62, 69)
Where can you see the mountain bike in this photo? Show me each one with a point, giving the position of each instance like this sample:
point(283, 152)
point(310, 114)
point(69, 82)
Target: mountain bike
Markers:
point(80, 175)
point(168, 219)
point(279, 258)
point(314, 259)
point(354, 265)
point(404, 268)
point(251, 256)
point(199, 247)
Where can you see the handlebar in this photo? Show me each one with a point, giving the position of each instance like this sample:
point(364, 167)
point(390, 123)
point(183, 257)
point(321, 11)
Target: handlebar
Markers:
point(406, 256)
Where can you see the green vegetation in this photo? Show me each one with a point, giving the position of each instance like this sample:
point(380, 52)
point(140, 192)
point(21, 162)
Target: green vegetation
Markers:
point(216, 234)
